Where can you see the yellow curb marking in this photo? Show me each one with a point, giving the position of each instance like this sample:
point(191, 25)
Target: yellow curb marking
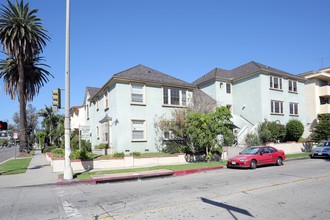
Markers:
point(281, 184)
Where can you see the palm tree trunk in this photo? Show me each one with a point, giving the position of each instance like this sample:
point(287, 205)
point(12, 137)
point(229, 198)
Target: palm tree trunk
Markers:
point(24, 148)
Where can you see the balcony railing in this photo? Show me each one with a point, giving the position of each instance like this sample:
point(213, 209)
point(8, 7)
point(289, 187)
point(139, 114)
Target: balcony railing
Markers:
point(324, 91)
point(324, 108)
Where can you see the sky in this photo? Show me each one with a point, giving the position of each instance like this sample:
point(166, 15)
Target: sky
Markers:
point(182, 38)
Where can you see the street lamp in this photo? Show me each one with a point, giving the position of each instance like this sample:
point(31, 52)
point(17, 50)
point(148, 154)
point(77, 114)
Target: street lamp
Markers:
point(67, 159)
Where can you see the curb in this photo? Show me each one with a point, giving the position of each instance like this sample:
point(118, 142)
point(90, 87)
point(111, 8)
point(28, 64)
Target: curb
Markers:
point(298, 158)
point(135, 177)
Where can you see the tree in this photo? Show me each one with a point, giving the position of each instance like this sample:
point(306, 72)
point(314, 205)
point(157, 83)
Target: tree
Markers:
point(23, 38)
point(32, 123)
point(294, 130)
point(321, 131)
point(204, 129)
point(49, 122)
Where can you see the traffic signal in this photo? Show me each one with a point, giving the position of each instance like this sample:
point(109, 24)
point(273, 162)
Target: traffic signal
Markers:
point(3, 125)
point(57, 98)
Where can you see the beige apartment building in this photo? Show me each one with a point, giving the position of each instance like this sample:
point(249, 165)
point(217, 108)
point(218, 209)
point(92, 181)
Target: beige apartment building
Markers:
point(317, 90)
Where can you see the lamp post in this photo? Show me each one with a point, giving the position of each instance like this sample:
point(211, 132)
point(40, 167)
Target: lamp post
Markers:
point(67, 160)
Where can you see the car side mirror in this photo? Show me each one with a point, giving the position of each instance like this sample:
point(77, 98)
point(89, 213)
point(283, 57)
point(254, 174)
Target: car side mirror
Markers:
point(240, 153)
point(261, 153)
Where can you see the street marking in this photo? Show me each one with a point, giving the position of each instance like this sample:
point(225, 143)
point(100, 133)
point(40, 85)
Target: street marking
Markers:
point(216, 196)
point(281, 184)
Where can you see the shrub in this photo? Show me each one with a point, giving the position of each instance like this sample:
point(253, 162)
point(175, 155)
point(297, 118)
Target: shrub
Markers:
point(252, 140)
point(271, 131)
point(80, 154)
point(176, 147)
point(136, 154)
point(102, 146)
point(49, 148)
point(3, 142)
point(118, 155)
point(58, 153)
point(294, 130)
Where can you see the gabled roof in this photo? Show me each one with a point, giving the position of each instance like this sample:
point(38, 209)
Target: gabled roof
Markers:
point(143, 73)
point(92, 92)
point(242, 71)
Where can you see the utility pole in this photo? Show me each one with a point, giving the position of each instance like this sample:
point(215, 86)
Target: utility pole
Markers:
point(67, 160)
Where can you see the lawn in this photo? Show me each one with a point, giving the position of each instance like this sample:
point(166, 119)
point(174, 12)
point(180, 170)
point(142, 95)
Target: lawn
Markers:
point(307, 154)
point(87, 175)
point(15, 166)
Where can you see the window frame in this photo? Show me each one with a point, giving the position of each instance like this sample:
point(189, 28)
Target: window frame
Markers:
point(183, 97)
point(106, 100)
point(291, 84)
point(273, 107)
point(87, 111)
point(143, 94)
point(144, 139)
point(295, 108)
point(228, 88)
point(272, 83)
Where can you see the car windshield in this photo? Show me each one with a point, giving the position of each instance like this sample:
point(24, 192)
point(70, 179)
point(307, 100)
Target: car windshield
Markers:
point(324, 144)
point(251, 150)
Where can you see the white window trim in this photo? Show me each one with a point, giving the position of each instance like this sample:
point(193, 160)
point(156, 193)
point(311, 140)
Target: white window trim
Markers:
point(280, 83)
point(97, 103)
point(170, 135)
point(106, 100)
point(276, 113)
point(143, 94)
point(144, 131)
point(292, 81)
point(87, 110)
point(169, 97)
point(228, 85)
point(294, 103)
point(98, 132)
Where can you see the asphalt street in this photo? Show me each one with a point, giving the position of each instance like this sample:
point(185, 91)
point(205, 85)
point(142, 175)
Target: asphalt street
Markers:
point(297, 190)
point(8, 152)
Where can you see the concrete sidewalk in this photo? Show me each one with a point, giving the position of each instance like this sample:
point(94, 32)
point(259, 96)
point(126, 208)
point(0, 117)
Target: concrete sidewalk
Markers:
point(39, 172)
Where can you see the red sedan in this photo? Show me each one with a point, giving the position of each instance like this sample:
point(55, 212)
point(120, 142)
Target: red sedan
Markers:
point(255, 156)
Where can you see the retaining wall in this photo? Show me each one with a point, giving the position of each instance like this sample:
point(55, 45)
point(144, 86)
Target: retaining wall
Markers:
point(129, 161)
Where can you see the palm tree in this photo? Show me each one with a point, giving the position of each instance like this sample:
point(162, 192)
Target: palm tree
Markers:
point(23, 37)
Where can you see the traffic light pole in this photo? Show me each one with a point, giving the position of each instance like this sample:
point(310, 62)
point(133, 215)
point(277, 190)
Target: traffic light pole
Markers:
point(67, 166)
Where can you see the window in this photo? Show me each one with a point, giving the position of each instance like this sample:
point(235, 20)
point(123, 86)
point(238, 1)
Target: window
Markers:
point(104, 134)
point(292, 86)
point(272, 150)
point(229, 107)
point(137, 94)
point(138, 130)
point(97, 132)
point(294, 109)
point(106, 100)
point(275, 82)
point(97, 104)
point(276, 107)
point(324, 101)
point(166, 135)
point(175, 97)
point(87, 110)
point(228, 88)
point(323, 83)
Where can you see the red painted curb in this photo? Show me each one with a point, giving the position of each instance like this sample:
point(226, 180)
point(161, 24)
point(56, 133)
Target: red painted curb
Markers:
point(183, 172)
point(140, 176)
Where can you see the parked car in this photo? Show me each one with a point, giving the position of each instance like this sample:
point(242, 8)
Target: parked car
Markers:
point(322, 150)
point(255, 156)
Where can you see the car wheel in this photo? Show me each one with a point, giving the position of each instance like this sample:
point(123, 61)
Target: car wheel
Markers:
point(279, 161)
point(253, 164)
